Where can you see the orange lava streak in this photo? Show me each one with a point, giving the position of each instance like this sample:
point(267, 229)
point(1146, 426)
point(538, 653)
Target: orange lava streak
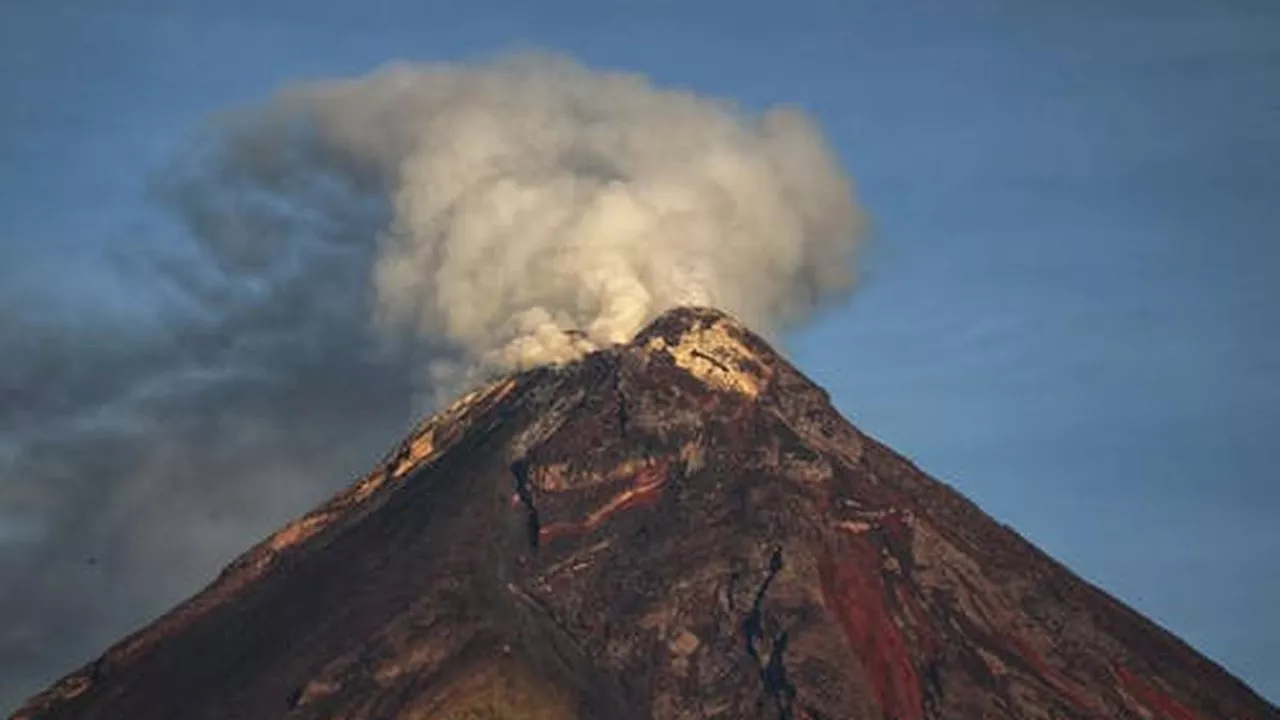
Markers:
point(1053, 678)
point(854, 590)
point(1153, 698)
point(644, 490)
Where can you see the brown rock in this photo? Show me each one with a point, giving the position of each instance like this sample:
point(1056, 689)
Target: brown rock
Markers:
point(681, 527)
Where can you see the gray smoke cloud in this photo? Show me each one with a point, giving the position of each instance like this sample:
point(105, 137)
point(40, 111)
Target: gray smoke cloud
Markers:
point(356, 251)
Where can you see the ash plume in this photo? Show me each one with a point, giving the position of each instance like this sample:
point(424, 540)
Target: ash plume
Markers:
point(351, 245)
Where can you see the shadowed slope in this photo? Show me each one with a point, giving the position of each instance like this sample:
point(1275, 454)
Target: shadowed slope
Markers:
point(681, 527)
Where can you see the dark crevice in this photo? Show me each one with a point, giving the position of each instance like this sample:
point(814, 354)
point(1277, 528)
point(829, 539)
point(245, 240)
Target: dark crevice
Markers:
point(776, 682)
point(773, 673)
point(624, 416)
point(712, 360)
point(520, 471)
point(933, 688)
point(753, 625)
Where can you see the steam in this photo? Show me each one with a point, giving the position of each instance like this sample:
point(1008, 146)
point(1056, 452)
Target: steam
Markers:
point(352, 243)
point(532, 196)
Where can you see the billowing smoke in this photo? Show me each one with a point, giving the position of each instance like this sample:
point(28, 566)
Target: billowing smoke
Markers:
point(355, 244)
point(533, 196)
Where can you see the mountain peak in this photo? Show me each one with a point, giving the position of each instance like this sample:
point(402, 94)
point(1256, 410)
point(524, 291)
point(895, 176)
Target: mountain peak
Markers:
point(677, 527)
point(678, 320)
point(712, 346)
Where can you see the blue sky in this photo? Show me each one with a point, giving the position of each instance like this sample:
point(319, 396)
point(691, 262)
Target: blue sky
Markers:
point(1068, 310)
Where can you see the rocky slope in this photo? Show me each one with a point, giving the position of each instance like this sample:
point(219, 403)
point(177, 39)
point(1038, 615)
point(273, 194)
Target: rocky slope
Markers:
point(682, 527)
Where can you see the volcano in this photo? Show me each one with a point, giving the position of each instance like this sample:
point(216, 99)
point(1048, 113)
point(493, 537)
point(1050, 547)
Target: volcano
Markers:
point(678, 527)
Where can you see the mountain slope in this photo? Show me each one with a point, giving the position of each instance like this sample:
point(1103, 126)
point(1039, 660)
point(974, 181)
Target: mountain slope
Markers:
point(682, 527)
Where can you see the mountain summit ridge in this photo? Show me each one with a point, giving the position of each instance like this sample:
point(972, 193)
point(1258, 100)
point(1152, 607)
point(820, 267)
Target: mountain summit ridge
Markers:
point(678, 527)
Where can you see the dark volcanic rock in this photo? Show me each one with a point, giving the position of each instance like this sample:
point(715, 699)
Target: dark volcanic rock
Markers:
point(681, 527)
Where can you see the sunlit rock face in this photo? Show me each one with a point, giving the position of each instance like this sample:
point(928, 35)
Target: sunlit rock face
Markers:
point(677, 527)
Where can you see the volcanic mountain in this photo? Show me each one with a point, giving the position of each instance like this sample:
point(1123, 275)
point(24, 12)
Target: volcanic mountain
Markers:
point(679, 527)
